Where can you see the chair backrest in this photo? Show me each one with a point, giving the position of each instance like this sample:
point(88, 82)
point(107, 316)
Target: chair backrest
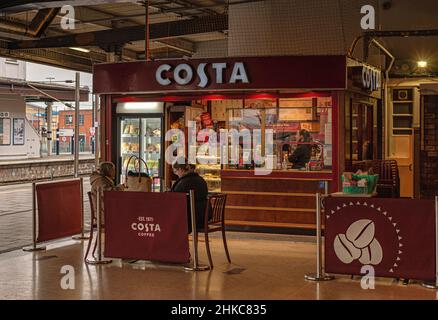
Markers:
point(90, 198)
point(215, 211)
point(387, 171)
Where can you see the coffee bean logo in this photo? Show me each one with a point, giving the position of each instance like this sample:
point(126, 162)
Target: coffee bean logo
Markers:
point(359, 243)
point(361, 233)
point(373, 254)
point(345, 250)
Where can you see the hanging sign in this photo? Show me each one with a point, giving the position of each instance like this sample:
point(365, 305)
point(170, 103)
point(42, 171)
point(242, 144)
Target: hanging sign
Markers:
point(367, 78)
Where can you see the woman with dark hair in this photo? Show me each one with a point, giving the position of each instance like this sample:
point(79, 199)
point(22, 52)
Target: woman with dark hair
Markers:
point(103, 179)
point(188, 180)
point(301, 156)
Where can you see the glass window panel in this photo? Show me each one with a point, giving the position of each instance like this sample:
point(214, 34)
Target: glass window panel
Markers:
point(403, 108)
point(402, 122)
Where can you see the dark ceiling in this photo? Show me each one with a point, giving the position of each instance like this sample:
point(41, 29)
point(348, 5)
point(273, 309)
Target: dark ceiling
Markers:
point(33, 30)
point(115, 29)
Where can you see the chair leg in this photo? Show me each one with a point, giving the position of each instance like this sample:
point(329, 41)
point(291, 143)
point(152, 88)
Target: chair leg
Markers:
point(89, 243)
point(207, 246)
point(225, 245)
point(95, 246)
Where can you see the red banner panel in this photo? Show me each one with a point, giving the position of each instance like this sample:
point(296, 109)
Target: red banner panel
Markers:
point(146, 226)
point(395, 236)
point(243, 73)
point(59, 209)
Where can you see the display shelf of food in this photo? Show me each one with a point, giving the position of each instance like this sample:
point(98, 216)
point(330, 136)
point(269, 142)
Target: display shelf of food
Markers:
point(211, 173)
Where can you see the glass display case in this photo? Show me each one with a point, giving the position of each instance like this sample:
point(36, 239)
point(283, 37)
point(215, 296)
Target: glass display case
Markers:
point(151, 150)
point(286, 118)
point(211, 174)
point(141, 137)
point(130, 144)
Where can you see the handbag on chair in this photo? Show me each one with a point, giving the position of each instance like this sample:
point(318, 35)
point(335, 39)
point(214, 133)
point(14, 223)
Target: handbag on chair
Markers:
point(137, 181)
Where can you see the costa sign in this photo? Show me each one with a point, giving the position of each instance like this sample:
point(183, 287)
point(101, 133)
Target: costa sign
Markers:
point(222, 74)
point(370, 78)
point(366, 78)
point(183, 74)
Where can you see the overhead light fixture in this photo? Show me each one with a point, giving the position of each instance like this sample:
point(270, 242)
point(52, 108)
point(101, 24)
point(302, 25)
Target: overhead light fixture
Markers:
point(139, 107)
point(80, 49)
point(422, 64)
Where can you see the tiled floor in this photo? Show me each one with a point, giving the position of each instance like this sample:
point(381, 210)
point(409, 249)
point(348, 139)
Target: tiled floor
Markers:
point(264, 267)
point(16, 215)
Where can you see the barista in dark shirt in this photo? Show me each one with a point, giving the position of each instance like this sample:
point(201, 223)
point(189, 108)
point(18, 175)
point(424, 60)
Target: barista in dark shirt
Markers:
point(190, 180)
point(301, 156)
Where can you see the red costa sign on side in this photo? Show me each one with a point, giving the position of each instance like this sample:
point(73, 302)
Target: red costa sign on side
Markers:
point(250, 73)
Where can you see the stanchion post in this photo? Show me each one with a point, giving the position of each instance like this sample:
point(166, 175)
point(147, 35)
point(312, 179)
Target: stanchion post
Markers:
point(99, 232)
point(319, 276)
point(196, 266)
point(82, 236)
point(326, 188)
point(434, 285)
point(34, 224)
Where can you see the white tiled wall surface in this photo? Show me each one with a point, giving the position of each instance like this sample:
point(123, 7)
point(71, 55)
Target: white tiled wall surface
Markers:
point(295, 27)
point(211, 49)
point(12, 69)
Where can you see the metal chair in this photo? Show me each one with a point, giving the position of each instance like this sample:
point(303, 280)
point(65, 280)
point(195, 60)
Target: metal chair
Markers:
point(214, 221)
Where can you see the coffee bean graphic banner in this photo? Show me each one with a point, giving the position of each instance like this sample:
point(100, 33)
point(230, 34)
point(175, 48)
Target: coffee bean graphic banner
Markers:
point(395, 236)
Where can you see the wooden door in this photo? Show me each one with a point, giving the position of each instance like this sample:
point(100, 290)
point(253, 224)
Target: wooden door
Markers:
point(402, 151)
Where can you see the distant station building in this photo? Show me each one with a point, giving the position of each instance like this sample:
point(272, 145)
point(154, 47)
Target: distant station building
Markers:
point(21, 138)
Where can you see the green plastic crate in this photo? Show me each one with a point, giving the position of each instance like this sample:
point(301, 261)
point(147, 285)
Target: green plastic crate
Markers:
point(370, 188)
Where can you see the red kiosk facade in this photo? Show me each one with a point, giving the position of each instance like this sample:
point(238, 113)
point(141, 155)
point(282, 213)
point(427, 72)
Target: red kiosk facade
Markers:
point(336, 98)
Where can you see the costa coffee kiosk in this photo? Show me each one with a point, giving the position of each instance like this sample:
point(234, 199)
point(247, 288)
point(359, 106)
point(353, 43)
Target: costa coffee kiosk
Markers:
point(331, 97)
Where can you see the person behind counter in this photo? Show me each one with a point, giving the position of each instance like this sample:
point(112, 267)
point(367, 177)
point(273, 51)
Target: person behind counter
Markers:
point(190, 180)
point(103, 178)
point(301, 156)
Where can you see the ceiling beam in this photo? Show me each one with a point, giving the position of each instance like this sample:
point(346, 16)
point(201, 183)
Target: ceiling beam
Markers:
point(26, 5)
point(182, 45)
point(50, 57)
point(36, 28)
point(42, 20)
point(121, 36)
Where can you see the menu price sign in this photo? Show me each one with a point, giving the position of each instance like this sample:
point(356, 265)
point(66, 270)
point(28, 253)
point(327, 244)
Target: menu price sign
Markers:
point(5, 131)
point(19, 131)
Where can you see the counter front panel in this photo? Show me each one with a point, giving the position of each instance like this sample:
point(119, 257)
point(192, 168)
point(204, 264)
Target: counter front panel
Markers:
point(281, 199)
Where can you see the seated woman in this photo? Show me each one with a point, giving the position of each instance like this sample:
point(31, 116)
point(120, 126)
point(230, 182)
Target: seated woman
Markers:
point(103, 178)
point(190, 180)
point(301, 156)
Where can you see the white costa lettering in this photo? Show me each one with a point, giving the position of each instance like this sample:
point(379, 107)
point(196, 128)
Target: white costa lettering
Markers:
point(159, 75)
point(183, 74)
point(370, 78)
point(146, 227)
point(185, 79)
point(202, 75)
point(219, 68)
point(239, 73)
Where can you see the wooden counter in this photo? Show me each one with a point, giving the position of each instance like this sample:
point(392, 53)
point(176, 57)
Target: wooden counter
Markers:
point(284, 198)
